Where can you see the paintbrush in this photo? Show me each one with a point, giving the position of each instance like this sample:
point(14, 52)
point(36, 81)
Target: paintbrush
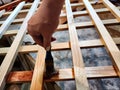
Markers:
point(49, 64)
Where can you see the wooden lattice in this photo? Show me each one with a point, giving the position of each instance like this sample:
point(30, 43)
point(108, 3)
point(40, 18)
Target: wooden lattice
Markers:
point(79, 72)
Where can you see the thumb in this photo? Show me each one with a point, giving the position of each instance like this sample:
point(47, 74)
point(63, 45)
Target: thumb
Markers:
point(46, 41)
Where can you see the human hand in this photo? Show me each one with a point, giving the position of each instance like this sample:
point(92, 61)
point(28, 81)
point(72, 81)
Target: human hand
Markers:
point(41, 31)
point(44, 22)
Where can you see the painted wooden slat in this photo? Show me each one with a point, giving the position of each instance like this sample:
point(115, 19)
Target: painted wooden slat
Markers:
point(37, 79)
point(78, 65)
point(114, 10)
point(64, 74)
point(2, 12)
point(9, 20)
point(105, 37)
point(12, 53)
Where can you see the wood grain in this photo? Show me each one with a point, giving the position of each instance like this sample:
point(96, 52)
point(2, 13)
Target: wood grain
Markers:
point(64, 74)
point(114, 10)
point(37, 79)
point(14, 3)
point(106, 39)
point(12, 53)
point(78, 65)
point(60, 46)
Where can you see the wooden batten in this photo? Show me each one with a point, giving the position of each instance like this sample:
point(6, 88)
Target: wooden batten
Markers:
point(10, 57)
point(78, 72)
point(106, 39)
point(9, 20)
point(114, 10)
point(65, 74)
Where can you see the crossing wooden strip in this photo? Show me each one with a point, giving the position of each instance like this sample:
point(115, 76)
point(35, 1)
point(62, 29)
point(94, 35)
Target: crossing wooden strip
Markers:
point(16, 21)
point(79, 73)
point(106, 38)
point(14, 3)
point(114, 10)
point(9, 20)
point(91, 24)
point(10, 57)
point(37, 79)
point(60, 46)
point(78, 65)
point(64, 74)
point(64, 27)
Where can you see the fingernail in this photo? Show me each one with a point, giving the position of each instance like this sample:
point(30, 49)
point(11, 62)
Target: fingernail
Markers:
point(48, 48)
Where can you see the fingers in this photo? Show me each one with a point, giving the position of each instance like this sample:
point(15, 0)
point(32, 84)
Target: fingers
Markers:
point(53, 39)
point(43, 41)
point(46, 41)
point(38, 40)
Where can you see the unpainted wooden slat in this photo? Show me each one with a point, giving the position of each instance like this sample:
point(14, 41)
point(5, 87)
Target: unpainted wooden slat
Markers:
point(11, 32)
point(106, 39)
point(9, 20)
point(82, 4)
point(99, 11)
point(16, 21)
point(114, 10)
point(91, 24)
point(64, 74)
point(64, 27)
point(60, 46)
point(78, 65)
point(21, 12)
point(37, 79)
point(10, 4)
point(12, 53)
point(78, 13)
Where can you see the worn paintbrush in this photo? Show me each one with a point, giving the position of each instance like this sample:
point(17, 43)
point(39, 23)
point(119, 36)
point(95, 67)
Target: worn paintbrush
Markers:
point(49, 64)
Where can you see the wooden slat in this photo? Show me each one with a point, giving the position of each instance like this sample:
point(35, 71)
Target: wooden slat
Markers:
point(79, 70)
point(37, 79)
point(99, 11)
point(2, 12)
point(16, 21)
point(91, 24)
point(21, 12)
point(106, 38)
point(9, 20)
point(114, 10)
point(11, 32)
point(78, 13)
point(14, 3)
point(10, 57)
point(64, 74)
point(82, 4)
point(60, 46)
point(64, 27)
